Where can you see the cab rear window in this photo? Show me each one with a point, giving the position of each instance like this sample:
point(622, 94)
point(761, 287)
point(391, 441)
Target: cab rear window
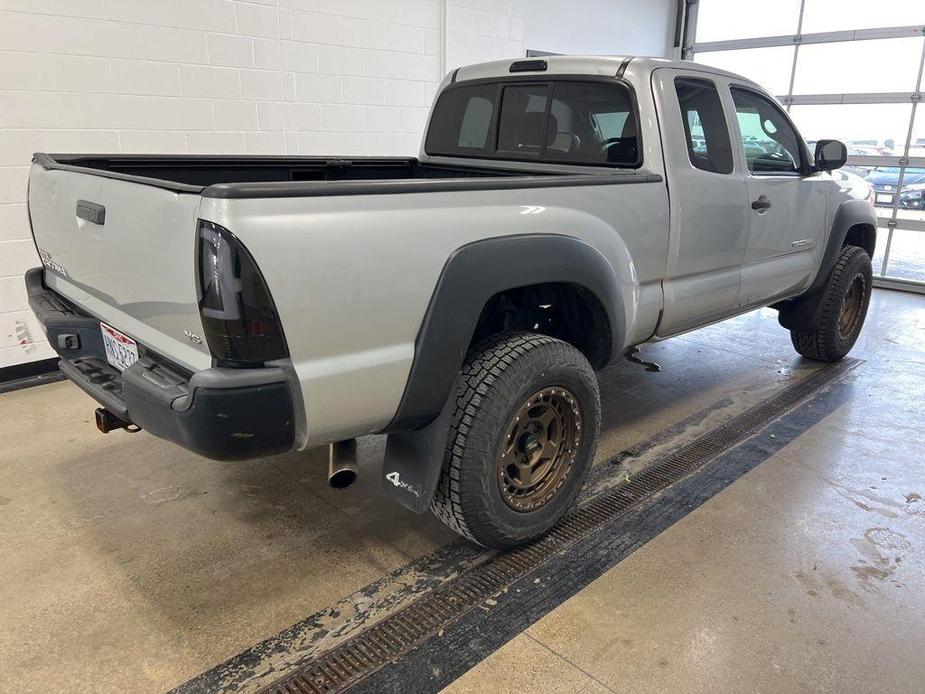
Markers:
point(566, 122)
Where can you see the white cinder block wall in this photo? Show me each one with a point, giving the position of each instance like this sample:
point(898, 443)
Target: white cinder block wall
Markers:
point(217, 76)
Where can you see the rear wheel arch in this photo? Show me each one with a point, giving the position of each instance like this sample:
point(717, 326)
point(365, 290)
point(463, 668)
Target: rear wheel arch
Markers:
point(474, 277)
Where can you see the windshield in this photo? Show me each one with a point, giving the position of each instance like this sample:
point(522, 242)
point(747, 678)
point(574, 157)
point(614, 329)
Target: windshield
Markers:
point(566, 121)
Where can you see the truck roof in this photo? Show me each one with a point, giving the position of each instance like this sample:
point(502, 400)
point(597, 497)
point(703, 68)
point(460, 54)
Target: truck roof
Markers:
point(638, 67)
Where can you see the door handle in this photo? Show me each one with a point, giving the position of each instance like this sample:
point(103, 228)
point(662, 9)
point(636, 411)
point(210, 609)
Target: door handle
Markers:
point(761, 204)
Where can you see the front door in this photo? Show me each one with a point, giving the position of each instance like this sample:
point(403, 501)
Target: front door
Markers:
point(709, 221)
point(786, 206)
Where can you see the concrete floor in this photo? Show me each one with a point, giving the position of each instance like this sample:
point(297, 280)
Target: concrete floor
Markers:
point(128, 562)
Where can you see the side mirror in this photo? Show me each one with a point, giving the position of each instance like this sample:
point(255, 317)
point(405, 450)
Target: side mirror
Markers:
point(830, 155)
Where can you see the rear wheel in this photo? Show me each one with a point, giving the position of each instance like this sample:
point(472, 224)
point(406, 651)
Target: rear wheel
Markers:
point(842, 310)
point(521, 441)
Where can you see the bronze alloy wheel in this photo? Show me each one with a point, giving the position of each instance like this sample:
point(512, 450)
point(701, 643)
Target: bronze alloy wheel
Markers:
point(539, 449)
point(852, 307)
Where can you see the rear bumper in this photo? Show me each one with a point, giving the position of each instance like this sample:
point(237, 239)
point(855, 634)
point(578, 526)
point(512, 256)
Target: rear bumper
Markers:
point(220, 413)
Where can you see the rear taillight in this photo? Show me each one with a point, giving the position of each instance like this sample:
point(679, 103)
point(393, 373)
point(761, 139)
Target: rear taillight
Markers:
point(240, 321)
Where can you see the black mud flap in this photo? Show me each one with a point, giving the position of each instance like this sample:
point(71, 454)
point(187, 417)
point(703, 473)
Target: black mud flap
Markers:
point(413, 460)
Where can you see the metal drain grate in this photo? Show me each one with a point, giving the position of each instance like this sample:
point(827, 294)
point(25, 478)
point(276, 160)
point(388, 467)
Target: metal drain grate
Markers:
point(395, 635)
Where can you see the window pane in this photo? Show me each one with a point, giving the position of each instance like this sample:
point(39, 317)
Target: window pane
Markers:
point(523, 119)
point(884, 65)
point(770, 144)
point(708, 144)
point(868, 129)
point(461, 121)
point(840, 15)
point(592, 123)
point(769, 67)
point(719, 20)
point(907, 254)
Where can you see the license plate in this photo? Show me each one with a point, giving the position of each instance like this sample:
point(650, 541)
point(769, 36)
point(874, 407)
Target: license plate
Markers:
point(121, 350)
point(884, 199)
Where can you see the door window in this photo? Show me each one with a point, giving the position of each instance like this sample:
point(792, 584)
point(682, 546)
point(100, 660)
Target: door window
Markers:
point(770, 142)
point(708, 145)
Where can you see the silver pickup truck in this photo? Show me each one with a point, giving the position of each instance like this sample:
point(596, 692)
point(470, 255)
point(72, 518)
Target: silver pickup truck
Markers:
point(561, 212)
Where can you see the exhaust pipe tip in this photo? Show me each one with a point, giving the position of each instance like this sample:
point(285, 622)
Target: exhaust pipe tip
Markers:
point(343, 478)
point(342, 464)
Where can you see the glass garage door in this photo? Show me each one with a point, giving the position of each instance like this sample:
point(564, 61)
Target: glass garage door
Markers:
point(844, 69)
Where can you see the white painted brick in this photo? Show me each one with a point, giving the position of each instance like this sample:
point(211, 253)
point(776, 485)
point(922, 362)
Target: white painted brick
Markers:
point(235, 115)
point(423, 68)
point(301, 57)
point(54, 72)
point(264, 143)
point(301, 5)
point(231, 51)
point(18, 146)
point(285, 23)
point(13, 294)
point(202, 80)
point(516, 29)
point(292, 143)
point(144, 77)
point(38, 110)
point(143, 112)
point(335, 60)
point(415, 120)
point(364, 90)
point(385, 119)
point(73, 35)
point(322, 143)
point(164, 13)
point(343, 118)
point(14, 226)
point(421, 13)
point(20, 328)
point(267, 54)
point(153, 141)
point(362, 33)
point(320, 89)
point(174, 45)
point(270, 116)
point(302, 117)
point(384, 64)
point(345, 8)
point(365, 143)
point(17, 256)
point(401, 93)
point(37, 351)
point(261, 84)
point(405, 39)
point(209, 15)
point(257, 20)
point(215, 143)
point(315, 27)
point(288, 79)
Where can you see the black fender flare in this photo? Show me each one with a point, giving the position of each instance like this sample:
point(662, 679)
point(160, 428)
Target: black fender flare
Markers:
point(471, 276)
point(801, 313)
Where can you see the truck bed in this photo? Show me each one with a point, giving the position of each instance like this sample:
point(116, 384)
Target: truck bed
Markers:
point(192, 173)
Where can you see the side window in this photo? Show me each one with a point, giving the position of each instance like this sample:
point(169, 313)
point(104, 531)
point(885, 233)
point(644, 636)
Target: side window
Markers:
point(770, 142)
point(708, 144)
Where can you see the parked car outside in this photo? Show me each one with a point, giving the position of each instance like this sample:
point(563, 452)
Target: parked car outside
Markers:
point(885, 182)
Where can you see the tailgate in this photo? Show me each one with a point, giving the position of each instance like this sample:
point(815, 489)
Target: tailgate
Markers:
point(124, 252)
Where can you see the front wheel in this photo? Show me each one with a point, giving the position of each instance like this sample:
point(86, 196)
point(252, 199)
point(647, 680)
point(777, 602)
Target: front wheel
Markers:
point(842, 310)
point(521, 441)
